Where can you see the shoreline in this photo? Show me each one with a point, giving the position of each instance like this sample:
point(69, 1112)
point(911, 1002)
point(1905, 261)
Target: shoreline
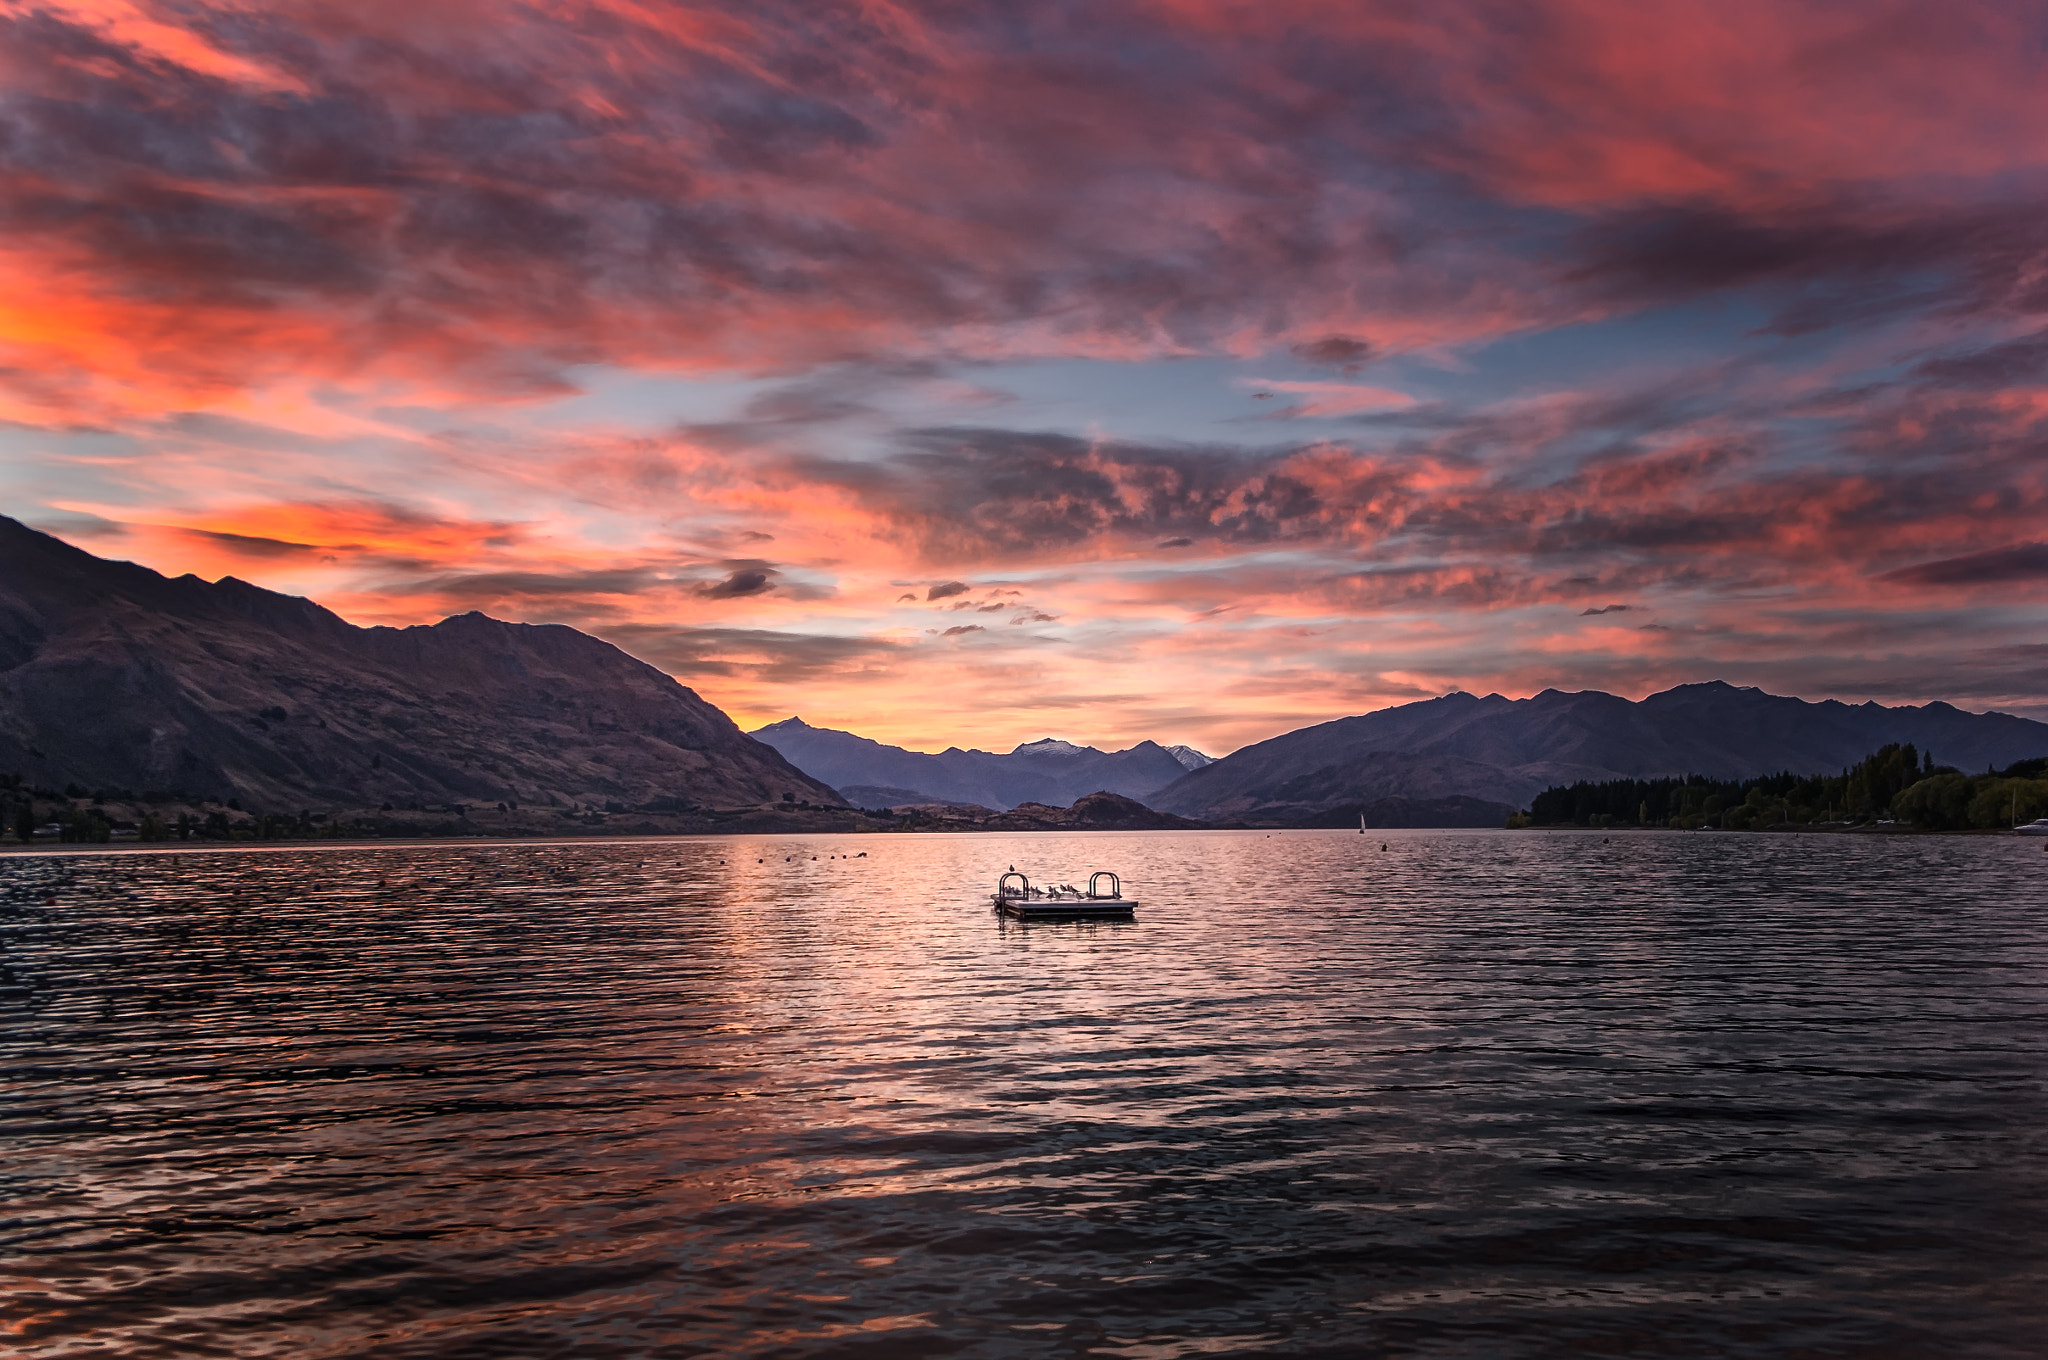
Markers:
point(485, 840)
point(1780, 829)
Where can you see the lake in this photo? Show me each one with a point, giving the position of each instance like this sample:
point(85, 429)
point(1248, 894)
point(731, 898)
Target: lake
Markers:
point(1473, 1094)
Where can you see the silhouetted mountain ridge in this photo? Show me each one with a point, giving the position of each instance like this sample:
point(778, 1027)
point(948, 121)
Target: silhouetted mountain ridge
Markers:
point(1508, 750)
point(112, 675)
point(1047, 771)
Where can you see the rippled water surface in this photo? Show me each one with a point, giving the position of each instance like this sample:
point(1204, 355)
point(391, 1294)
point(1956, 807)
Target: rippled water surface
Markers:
point(1486, 1094)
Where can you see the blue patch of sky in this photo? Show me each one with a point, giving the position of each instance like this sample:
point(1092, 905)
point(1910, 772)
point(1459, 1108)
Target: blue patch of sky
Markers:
point(40, 466)
point(1174, 401)
point(646, 400)
point(1644, 345)
point(1214, 399)
point(1210, 400)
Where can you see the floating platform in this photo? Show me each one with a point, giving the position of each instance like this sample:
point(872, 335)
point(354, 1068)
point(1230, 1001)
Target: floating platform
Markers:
point(1017, 899)
point(1068, 909)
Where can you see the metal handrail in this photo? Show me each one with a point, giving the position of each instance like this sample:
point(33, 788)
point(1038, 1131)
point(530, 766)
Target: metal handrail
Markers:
point(1116, 885)
point(1001, 891)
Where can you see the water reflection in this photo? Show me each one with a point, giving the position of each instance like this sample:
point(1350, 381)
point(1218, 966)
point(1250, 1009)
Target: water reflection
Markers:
point(1475, 1094)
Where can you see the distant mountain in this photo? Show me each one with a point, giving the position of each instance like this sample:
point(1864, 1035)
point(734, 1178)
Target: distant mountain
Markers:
point(1048, 771)
point(1052, 746)
point(1095, 812)
point(1507, 750)
point(114, 676)
point(1189, 757)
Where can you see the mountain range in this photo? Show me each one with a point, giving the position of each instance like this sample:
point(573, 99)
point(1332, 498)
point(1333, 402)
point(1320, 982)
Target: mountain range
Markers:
point(1495, 754)
point(112, 675)
point(869, 774)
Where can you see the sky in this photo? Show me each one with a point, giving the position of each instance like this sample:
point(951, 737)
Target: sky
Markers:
point(963, 373)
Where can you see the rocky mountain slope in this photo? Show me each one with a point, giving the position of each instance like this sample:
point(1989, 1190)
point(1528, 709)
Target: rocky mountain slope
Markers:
point(1507, 750)
point(1049, 771)
point(112, 675)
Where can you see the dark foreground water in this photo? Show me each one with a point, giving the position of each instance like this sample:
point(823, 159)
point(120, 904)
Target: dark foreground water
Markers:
point(1478, 1094)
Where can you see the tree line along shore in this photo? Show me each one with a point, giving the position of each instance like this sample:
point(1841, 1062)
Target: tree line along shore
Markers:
point(77, 816)
point(80, 816)
point(1895, 786)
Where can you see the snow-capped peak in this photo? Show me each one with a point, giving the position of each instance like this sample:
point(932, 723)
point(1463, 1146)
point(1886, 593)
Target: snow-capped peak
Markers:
point(1050, 746)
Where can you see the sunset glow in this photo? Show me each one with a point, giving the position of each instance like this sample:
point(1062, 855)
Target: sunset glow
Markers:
point(969, 374)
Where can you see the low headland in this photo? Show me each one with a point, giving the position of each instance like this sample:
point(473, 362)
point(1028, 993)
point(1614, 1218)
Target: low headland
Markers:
point(44, 817)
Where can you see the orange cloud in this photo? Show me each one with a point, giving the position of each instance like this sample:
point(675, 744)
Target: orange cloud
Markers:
point(162, 40)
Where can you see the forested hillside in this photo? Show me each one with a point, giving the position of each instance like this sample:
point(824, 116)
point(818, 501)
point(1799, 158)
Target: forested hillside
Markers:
point(1896, 783)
